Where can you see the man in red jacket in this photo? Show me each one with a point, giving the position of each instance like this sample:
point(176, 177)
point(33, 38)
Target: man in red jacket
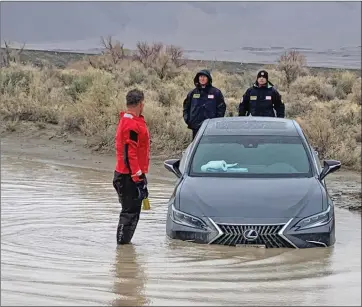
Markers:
point(132, 144)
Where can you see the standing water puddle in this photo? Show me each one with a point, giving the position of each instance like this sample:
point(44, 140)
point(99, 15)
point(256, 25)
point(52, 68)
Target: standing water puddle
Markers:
point(58, 248)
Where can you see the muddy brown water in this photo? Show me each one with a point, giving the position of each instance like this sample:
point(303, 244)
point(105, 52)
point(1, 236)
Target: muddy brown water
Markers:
point(58, 248)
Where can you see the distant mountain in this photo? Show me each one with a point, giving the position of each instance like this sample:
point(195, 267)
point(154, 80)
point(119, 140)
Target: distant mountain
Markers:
point(193, 25)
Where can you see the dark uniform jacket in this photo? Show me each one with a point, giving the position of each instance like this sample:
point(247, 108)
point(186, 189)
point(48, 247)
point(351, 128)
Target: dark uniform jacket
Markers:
point(262, 101)
point(202, 103)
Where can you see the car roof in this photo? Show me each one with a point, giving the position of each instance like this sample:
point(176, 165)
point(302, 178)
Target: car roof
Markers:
point(251, 125)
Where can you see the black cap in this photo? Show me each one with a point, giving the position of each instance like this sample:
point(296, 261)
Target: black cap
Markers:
point(262, 73)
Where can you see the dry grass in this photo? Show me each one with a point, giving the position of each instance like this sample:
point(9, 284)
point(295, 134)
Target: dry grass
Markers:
point(88, 99)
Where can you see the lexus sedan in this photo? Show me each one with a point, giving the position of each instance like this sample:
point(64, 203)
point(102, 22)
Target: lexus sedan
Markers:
point(251, 182)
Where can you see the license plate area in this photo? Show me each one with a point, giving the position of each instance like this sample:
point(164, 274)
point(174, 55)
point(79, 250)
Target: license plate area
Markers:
point(250, 245)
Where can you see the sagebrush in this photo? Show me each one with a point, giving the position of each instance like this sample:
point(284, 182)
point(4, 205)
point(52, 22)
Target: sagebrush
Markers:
point(87, 98)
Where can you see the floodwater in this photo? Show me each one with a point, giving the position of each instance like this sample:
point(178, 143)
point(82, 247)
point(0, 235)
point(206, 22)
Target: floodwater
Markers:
point(58, 248)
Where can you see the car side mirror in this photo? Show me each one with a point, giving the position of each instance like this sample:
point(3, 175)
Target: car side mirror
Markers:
point(173, 165)
point(329, 166)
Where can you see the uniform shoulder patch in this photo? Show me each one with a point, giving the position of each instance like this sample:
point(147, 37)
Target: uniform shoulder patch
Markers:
point(127, 115)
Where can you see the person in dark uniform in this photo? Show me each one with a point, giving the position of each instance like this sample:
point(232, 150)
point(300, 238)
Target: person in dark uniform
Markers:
point(204, 101)
point(262, 99)
point(132, 143)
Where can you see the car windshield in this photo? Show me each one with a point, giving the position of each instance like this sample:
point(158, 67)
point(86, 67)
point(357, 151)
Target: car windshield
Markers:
point(250, 156)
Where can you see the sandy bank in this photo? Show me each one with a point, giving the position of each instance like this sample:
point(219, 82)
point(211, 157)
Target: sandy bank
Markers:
point(47, 143)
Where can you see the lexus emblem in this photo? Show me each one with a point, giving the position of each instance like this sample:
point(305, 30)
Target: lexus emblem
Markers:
point(250, 234)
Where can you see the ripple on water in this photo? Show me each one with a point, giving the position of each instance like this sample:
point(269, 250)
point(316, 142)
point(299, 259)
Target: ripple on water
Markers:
point(58, 247)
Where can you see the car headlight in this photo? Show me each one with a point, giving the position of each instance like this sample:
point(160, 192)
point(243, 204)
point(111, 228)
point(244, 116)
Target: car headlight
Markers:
point(316, 220)
point(185, 219)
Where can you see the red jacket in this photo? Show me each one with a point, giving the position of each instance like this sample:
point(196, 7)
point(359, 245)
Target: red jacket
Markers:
point(132, 145)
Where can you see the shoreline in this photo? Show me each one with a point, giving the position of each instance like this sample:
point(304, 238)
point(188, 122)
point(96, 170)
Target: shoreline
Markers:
point(62, 58)
point(47, 144)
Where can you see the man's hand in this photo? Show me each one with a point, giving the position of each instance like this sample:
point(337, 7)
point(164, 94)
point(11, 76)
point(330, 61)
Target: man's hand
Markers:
point(142, 189)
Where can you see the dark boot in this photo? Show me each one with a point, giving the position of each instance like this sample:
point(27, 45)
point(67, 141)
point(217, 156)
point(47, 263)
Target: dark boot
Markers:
point(126, 227)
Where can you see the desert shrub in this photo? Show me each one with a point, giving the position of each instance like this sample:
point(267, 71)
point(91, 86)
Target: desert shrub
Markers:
point(313, 86)
point(292, 64)
point(76, 84)
point(344, 83)
point(165, 61)
point(167, 95)
point(298, 104)
point(355, 95)
point(14, 78)
point(231, 85)
point(232, 107)
point(333, 138)
point(135, 75)
point(88, 101)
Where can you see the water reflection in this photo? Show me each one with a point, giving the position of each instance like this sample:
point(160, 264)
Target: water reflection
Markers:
point(130, 278)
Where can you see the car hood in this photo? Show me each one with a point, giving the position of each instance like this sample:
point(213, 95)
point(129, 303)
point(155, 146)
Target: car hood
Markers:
point(250, 198)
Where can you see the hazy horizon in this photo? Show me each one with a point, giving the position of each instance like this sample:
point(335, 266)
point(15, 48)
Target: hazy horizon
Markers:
point(215, 28)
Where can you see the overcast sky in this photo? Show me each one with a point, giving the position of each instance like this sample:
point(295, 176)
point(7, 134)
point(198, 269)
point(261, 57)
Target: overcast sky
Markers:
point(192, 25)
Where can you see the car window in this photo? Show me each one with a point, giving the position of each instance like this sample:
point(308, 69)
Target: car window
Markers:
point(269, 156)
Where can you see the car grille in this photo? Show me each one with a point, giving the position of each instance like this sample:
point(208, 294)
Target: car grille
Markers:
point(267, 235)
